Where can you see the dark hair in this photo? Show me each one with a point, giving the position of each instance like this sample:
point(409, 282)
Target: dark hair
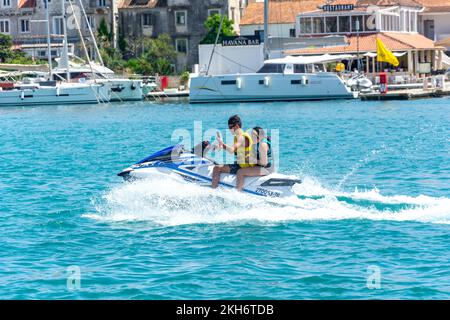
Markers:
point(235, 120)
point(259, 131)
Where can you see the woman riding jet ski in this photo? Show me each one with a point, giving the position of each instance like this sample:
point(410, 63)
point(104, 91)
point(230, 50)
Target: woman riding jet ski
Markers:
point(186, 166)
point(195, 167)
point(262, 158)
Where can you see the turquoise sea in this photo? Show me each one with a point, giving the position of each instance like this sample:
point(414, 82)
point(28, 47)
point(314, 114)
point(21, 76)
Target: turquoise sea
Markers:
point(373, 220)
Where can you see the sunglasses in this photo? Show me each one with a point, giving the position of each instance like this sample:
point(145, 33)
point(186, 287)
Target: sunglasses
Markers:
point(231, 126)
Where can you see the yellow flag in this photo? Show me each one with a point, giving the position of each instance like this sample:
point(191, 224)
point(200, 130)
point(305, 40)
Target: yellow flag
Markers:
point(385, 55)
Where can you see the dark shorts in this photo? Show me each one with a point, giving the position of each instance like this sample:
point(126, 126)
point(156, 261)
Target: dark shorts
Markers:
point(233, 168)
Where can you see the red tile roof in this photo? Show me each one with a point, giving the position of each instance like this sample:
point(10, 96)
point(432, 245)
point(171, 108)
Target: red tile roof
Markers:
point(279, 11)
point(123, 4)
point(435, 5)
point(394, 41)
point(26, 4)
point(381, 3)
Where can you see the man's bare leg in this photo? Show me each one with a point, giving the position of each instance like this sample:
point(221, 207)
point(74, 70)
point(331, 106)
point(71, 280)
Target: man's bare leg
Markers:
point(217, 171)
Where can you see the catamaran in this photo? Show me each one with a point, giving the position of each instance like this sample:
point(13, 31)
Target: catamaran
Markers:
point(281, 79)
point(288, 78)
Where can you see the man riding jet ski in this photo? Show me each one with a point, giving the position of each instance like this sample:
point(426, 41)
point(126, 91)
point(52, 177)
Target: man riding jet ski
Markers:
point(194, 166)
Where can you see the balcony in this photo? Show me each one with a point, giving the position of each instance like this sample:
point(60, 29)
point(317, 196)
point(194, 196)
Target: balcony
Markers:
point(147, 31)
point(177, 3)
point(102, 10)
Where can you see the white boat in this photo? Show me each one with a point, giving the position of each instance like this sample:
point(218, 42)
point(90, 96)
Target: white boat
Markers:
point(122, 89)
point(71, 67)
point(283, 79)
point(51, 93)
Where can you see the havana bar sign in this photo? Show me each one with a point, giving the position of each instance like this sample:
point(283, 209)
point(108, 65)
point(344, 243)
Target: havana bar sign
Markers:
point(338, 7)
point(240, 41)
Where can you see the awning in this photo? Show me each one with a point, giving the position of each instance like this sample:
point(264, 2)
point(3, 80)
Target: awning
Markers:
point(443, 43)
point(445, 60)
point(373, 54)
point(310, 59)
point(370, 54)
point(24, 67)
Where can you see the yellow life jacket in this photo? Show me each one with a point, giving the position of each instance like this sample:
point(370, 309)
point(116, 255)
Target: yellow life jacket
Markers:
point(340, 67)
point(243, 153)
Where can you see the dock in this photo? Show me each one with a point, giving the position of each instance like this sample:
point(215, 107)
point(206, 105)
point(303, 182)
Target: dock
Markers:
point(167, 94)
point(405, 94)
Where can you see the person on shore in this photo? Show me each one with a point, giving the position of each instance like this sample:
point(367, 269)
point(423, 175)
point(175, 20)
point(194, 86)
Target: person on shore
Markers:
point(241, 148)
point(263, 154)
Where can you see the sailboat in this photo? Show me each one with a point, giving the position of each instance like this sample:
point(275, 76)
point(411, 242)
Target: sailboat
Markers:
point(121, 89)
point(51, 92)
point(282, 79)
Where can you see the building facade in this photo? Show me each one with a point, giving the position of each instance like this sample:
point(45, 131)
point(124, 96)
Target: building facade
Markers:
point(395, 22)
point(282, 15)
point(25, 21)
point(182, 20)
point(431, 18)
point(434, 21)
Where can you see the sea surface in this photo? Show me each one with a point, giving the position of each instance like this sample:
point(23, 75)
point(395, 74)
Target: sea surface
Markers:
point(371, 221)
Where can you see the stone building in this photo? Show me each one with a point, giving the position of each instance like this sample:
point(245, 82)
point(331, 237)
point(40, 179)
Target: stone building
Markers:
point(182, 20)
point(25, 21)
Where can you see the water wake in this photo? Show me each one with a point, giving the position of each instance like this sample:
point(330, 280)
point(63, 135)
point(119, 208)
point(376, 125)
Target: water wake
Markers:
point(170, 203)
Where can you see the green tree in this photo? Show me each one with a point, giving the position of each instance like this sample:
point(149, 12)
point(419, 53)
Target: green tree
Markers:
point(8, 55)
point(122, 43)
point(103, 34)
point(5, 47)
point(158, 56)
point(112, 58)
point(212, 27)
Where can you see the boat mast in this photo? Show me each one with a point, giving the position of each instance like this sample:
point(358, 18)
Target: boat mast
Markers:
point(215, 43)
point(99, 55)
point(266, 28)
point(49, 49)
point(83, 42)
point(65, 51)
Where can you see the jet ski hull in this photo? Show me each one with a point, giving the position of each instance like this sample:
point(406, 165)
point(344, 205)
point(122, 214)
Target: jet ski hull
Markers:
point(189, 168)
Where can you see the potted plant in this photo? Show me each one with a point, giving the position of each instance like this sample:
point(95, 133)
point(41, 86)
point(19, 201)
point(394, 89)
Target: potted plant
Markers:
point(184, 79)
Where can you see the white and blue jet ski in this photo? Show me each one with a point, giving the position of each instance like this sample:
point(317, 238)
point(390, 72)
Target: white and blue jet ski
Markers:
point(194, 167)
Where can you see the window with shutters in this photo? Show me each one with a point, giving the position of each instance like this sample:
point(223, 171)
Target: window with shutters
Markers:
point(4, 26)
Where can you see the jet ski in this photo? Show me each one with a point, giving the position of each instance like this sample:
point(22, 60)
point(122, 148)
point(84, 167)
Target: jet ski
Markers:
point(194, 166)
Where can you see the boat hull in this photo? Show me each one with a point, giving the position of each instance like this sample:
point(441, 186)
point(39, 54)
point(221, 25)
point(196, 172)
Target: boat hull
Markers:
point(60, 94)
point(124, 89)
point(268, 87)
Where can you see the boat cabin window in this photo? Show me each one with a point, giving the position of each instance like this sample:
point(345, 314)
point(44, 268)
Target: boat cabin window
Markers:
point(304, 68)
point(319, 68)
point(299, 68)
point(272, 68)
point(309, 68)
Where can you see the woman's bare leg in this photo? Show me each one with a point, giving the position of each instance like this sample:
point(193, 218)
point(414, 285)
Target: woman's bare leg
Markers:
point(249, 172)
